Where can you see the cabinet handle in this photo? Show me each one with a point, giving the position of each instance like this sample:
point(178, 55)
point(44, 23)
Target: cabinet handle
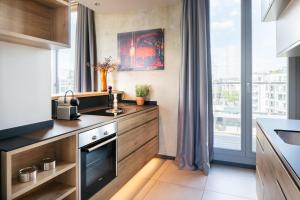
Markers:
point(281, 190)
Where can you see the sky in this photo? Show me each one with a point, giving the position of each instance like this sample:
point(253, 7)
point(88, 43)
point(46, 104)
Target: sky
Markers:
point(226, 40)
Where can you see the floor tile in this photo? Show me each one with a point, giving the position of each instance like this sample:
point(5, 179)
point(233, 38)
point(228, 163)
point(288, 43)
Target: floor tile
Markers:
point(194, 179)
point(209, 195)
point(233, 181)
point(167, 191)
point(223, 170)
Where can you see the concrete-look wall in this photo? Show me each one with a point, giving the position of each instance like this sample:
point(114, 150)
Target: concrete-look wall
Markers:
point(164, 83)
point(25, 85)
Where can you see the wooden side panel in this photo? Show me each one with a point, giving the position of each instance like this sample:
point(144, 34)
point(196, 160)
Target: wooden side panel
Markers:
point(66, 149)
point(259, 185)
point(132, 140)
point(128, 168)
point(61, 25)
point(285, 181)
point(5, 176)
point(128, 123)
point(259, 171)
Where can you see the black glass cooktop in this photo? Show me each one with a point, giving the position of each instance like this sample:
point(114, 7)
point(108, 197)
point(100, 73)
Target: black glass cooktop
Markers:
point(106, 112)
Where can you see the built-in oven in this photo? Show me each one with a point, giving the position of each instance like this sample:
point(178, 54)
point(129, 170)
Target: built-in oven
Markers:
point(98, 159)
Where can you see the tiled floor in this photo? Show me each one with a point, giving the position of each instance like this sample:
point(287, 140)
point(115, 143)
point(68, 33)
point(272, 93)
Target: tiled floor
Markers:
point(161, 180)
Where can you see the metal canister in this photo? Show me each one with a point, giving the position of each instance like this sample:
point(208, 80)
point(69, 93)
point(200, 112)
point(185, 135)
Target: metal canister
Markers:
point(48, 164)
point(27, 174)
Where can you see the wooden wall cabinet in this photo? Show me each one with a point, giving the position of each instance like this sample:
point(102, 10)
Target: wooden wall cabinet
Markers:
point(37, 23)
point(273, 180)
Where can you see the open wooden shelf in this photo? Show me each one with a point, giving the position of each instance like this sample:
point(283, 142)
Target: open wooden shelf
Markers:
point(37, 23)
point(42, 177)
point(52, 191)
point(19, 38)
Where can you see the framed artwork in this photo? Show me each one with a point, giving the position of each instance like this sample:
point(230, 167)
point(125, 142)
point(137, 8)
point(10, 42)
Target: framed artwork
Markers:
point(141, 50)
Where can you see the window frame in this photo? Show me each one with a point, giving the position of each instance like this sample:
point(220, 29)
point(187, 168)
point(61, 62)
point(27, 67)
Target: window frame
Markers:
point(246, 155)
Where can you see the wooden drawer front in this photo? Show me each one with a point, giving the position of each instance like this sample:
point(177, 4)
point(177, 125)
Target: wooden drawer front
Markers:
point(259, 185)
point(128, 123)
point(127, 168)
point(133, 163)
point(287, 184)
point(135, 138)
point(259, 153)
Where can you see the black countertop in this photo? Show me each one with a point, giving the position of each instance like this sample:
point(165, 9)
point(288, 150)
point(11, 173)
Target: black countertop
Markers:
point(61, 127)
point(290, 153)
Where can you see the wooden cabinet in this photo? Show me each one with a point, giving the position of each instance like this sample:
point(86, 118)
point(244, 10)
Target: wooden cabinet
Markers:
point(58, 183)
point(135, 138)
point(135, 120)
point(273, 180)
point(271, 9)
point(38, 23)
point(138, 144)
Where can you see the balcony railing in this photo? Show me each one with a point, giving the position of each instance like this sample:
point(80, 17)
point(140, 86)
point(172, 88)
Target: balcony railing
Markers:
point(227, 108)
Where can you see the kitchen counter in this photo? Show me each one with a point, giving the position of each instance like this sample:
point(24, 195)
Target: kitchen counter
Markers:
point(289, 154)
point(61, 127)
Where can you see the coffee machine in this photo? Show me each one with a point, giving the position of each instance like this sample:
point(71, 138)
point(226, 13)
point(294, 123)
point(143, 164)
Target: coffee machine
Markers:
point(67, 107)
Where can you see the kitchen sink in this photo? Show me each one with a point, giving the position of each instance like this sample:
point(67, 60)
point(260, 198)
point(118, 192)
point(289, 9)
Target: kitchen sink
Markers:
point(289, 137)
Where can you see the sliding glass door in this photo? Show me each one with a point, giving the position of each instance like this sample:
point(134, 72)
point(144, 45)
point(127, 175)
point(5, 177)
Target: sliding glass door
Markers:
point(248, 80)
point(226, 72)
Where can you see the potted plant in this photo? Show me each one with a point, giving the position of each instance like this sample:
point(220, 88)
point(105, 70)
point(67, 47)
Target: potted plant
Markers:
point(141, 92)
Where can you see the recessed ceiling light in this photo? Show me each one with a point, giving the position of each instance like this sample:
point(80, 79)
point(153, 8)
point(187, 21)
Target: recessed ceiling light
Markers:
point(97, 3)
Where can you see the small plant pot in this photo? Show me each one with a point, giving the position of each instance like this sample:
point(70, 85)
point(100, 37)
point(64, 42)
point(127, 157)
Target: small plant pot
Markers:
point(140, 101)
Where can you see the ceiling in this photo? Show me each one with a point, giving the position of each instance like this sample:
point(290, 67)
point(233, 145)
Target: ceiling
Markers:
point(114, 6)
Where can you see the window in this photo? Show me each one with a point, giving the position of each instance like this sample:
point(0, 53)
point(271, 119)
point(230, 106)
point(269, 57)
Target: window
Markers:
point(245, 86)
point(63, 63)
point(226, 72)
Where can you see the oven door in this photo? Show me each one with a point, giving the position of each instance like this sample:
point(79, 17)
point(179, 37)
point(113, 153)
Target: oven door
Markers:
point(98, 165)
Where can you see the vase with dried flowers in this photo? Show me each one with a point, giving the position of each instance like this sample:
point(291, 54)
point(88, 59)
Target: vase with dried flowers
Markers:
point(104, 68)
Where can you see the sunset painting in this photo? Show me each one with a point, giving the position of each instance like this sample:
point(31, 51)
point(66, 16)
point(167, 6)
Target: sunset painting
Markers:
point(141, 50)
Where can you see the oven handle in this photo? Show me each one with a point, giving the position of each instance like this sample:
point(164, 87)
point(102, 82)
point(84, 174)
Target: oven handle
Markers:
point(100, 145)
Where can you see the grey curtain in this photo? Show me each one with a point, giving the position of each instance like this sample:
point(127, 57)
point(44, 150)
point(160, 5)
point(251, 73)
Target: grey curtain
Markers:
point(85, 76)
point(195, 122)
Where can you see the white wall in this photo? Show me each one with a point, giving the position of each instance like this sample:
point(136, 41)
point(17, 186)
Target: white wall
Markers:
point(165, 84)
point(25, 85)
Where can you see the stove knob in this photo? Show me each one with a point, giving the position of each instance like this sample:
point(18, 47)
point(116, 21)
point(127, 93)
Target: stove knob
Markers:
point(105, 132)
point(94, 137)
